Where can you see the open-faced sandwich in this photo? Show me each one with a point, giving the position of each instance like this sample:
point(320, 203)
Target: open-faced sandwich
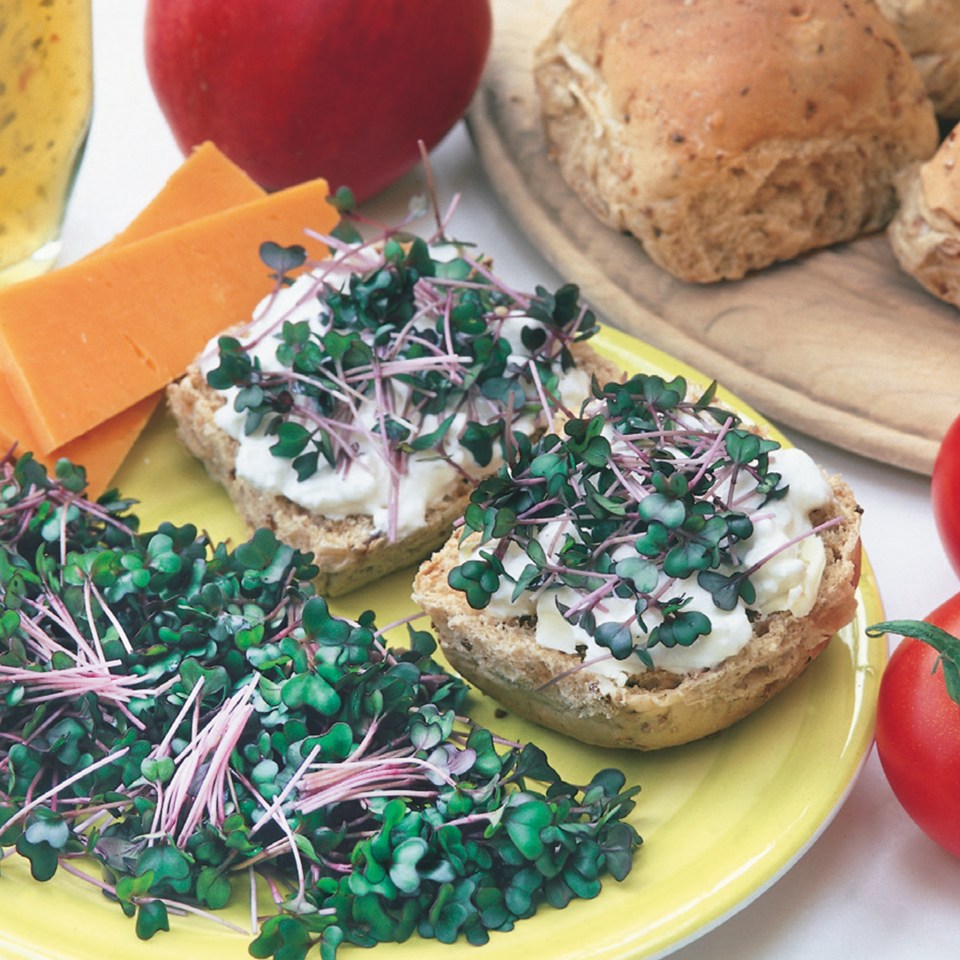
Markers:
point(648, 578)
point(354, 414)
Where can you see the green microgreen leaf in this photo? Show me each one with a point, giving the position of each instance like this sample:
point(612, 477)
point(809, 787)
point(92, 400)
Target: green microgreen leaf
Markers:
point(310, 690)
point(282, 259)
point(616, 637)
point(213, 888)
point(42, 843)
point(668, 511)
point(524, 820)
point(682, 629)
point(727, 590)
point(151, 918)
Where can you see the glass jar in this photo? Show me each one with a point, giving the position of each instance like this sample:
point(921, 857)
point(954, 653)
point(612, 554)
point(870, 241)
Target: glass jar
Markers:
point(46, 102)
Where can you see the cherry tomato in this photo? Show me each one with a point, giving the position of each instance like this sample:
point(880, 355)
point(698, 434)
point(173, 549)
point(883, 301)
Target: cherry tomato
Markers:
point(918, 729)
point(945, 493)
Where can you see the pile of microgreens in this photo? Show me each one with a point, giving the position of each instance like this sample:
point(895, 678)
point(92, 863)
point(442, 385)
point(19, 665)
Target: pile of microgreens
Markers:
point(666, 497)
point(191, 716)
point(416, 332)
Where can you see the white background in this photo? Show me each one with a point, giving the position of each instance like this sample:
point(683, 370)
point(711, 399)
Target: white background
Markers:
point(872, 885)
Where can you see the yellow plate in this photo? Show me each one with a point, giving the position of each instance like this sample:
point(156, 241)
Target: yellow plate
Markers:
point(721, 819)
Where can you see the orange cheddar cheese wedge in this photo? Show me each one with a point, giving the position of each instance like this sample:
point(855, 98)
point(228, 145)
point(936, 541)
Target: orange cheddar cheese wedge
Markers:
point(206, 182)
point(88, 341)
point(100, 451)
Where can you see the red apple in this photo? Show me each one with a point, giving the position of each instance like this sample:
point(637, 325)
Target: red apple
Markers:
point(292, 90)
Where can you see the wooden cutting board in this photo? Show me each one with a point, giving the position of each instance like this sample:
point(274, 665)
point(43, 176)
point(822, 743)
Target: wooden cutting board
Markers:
point(840, 344)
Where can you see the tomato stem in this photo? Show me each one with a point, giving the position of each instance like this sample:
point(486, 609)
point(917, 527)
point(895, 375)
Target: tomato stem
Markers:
point(946, 645)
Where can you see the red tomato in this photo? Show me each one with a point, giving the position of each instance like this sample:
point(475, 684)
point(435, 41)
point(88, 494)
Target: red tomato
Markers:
point(918, 733)
point(945, 491)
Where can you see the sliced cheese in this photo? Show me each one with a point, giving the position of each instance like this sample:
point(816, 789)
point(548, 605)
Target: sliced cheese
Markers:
point(102, 450)
point(89, 340)
point(206, 182)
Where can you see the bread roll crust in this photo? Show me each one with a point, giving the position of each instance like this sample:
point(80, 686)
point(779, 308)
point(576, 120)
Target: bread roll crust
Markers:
point(925, 232)
point(930, 31)
point(726, 137)
point(655, 709)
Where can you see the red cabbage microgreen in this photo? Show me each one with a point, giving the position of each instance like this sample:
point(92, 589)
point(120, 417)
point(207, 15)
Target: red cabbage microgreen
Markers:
point(188, 717)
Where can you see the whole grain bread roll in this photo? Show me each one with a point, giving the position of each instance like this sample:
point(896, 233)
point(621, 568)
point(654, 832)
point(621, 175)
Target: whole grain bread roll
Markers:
point(728, 136)
point(925, 232)
point(930, 30)
point(656, 708)
point(349, 552)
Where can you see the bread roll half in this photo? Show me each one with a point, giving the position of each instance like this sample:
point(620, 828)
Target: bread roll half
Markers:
point(349, 551)
point(930, 30)
point(728, 136)
point(656, 709)
point(925, 232)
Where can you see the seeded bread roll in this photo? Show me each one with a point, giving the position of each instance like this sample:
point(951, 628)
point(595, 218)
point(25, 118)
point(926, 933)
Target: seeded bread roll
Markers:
point(656, 708)
point(729, 136)
point(925, 233)
point(348, 552)
point(930, 30)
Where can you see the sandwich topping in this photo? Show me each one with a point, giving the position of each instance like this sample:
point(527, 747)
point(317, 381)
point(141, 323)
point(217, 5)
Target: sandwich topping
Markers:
point(370, 385)
point(653, 534)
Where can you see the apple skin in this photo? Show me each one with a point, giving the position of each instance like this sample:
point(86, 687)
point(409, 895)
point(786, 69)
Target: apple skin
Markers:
point(298, 89)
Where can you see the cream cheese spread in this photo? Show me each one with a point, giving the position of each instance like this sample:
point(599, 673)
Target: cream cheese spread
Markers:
point(787, 579)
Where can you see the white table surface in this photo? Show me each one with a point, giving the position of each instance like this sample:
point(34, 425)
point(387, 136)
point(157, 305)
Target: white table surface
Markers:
point(872, 886)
